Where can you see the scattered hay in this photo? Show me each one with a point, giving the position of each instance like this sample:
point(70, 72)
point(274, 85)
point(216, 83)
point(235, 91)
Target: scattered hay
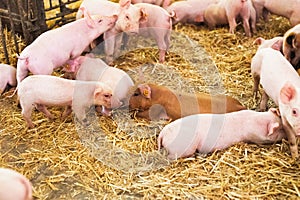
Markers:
point(65, 161)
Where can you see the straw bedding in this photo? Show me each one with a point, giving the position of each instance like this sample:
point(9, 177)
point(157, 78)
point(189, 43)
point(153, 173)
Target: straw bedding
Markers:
point(117, 157)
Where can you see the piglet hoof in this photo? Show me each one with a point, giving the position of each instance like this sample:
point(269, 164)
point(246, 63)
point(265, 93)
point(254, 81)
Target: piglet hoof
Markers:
point(294, 153)
point(30, 125)
point(85, 122)
point(50, 117)
point(109, 60)
point(162, 56)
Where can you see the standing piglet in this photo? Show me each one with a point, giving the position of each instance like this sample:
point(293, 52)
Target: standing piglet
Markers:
point(206, 133)
point(289, 9)
point(14, 186)
point(88, 68)
point(155, 102)
point(129, 17)
point(7, 77)
point(54, 47)
point(291, 46)
point(158, 25)
point(162, 3)
point(268, 67)
point(189, 11)
point(227, 11)
point(43, 90)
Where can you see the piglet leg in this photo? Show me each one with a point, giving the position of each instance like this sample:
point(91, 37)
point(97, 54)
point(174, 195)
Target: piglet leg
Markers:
point(66, 113)
point(264, 101)
point(291, 138)
point(44, 110)
point(26, 113)
point(256, 79)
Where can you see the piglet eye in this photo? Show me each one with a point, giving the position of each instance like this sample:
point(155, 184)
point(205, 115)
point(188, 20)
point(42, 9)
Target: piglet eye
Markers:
point(107, 95)
point(127, 17)
point(294, 112)
point(100, 21)
point(292, 55)
point(136, 94)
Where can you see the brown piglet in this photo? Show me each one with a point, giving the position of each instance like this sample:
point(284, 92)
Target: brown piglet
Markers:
point(155, 102)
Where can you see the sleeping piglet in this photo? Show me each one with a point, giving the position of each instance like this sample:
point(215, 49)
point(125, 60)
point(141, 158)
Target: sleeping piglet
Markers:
point(206, 133)
point(55, 47)
point(43, 90)
point(7, 77)
point(155, 102)
point(14, 186)
point(281, 82)
point(88, 68)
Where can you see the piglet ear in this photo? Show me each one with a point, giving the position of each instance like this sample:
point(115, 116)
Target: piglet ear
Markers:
point(277, 45)
point(145, 90)
point(276, 111)
point(287, 93)
point(144, 15)
point(98, 92)
point(296, 41)
point(259, 40)
point(89, 21)
point(124, 4)
point(272, 127)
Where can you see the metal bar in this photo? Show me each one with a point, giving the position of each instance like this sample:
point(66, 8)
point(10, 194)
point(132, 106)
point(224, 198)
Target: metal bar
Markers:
point(4, 43)
point(42, 16)
point(12, 27)
point(58, 6)
point(4, 12)
point(24, 29)
point(50, 3)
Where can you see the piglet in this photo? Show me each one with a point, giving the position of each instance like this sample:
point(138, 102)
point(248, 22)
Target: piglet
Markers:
point(14, 186)
point(155, 102)
point(291, 46)
point(289, 9)
point(129, 17)
point(280, 82)
point(88, 68)
point(162, 3)
point(227, 11)
point(189, 11)
point(54, 47)
point(7, 77)
point(43, 90)
point(206, 133)
point(158, 25)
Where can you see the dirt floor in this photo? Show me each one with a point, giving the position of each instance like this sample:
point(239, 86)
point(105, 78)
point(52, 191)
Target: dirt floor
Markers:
point(117, 157)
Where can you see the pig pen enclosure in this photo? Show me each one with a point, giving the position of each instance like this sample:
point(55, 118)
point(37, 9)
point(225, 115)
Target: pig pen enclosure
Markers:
point(111, 159)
